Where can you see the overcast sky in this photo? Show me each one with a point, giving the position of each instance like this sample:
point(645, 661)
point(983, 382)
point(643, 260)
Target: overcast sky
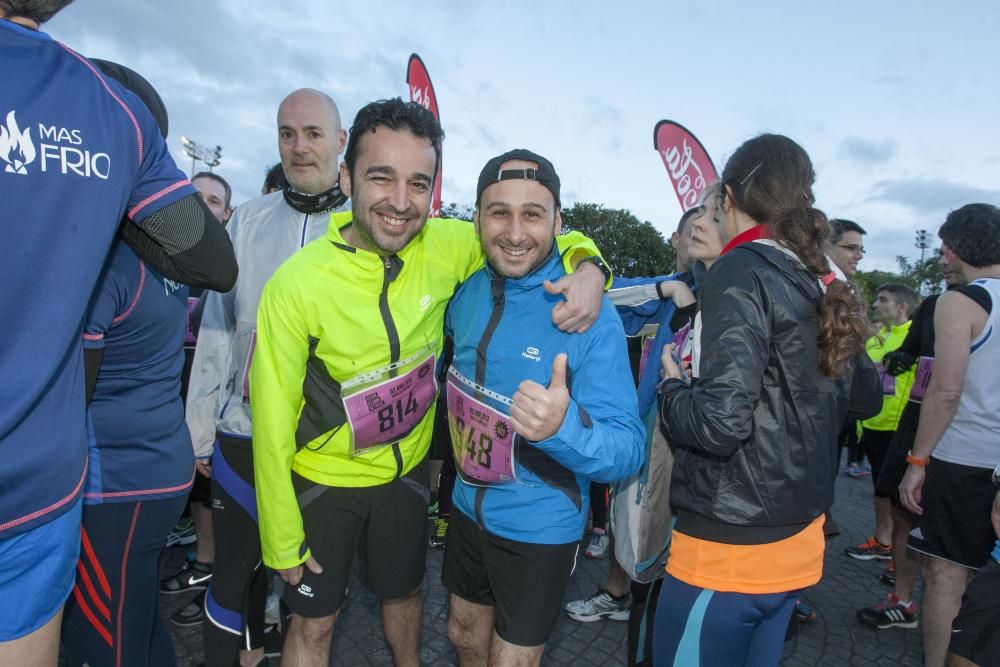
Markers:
point(896, 101)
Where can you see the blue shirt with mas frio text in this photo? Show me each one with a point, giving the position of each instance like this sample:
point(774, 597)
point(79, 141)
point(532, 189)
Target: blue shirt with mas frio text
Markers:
point(139, 445)
point(77, 153)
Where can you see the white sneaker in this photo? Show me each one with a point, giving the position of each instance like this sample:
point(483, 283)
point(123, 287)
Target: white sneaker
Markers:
point(598, 544)
point(182, 533)
point(597, 606)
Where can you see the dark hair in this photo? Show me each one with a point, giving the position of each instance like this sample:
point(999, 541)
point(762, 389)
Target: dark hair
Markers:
point(973, 233)
point(771, 180)
point(220, 180)
point(38, 11)
point(841, 225)
point(274, 180)
point(688, 214)
point(394, 114)
point(902, 294)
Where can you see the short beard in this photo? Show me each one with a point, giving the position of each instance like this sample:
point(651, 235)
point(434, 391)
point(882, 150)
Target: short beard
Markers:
point(366, 235)
point(542, 258)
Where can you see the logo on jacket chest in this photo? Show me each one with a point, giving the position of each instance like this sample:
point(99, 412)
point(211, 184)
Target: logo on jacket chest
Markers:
point(532, 353)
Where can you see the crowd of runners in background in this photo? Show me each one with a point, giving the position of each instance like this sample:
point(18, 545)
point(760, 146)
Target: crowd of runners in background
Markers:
point(322, 379)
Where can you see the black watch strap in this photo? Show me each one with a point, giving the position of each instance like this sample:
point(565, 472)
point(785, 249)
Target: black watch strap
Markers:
point(599, 263)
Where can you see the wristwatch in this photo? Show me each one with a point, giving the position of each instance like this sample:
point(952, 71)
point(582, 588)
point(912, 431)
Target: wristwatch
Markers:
point(599, 263)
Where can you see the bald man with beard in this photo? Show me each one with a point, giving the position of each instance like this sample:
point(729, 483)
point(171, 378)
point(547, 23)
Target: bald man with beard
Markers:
point(265, 232)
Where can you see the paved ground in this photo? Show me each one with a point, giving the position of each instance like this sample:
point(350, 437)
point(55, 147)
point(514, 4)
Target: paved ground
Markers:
point(835, 638)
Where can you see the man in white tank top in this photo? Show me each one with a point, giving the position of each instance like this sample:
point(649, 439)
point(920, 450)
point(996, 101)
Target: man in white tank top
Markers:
point(948, 483)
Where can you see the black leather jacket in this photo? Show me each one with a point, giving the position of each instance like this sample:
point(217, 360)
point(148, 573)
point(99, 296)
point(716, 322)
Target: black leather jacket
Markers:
point(756, 434)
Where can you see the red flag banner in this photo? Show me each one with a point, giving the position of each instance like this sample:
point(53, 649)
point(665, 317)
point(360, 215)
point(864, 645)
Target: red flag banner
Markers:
point(687, 162)
point(422, 92)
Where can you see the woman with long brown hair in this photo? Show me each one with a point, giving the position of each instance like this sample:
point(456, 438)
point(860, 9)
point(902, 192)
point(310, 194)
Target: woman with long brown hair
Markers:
point(755, 433)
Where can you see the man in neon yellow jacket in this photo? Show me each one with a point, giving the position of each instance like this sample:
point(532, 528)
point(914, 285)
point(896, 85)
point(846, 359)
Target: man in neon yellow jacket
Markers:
point(893, 306)
point(343, 382)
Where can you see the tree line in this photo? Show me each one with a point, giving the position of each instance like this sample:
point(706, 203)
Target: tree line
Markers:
point(633, 247)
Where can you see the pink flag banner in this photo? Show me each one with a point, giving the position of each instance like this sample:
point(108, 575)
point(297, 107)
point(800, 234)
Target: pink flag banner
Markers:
point(686, 160)
point(422, 92)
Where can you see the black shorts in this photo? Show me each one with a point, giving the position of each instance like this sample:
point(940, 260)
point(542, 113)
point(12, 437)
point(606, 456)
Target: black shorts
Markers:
point(201, 491)
point(875, 445)
point(385, 526)
point(525, 582)
point(955, 525)
point(894, 465)
point(975, 632)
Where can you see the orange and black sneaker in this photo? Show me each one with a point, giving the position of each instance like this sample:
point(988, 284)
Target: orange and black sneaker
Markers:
point(870, 550)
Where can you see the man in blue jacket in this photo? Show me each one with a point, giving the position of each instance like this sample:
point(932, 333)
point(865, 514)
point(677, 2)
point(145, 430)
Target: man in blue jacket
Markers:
point(535, 413)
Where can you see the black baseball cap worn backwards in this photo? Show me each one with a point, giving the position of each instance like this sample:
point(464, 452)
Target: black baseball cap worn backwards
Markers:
point(545, 174)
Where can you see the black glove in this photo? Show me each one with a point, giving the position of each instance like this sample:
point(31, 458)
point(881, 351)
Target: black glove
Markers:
point(898, 362)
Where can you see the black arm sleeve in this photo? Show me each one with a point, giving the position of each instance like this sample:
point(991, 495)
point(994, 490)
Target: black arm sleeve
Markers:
point(865, 400)
point(911, 344)
point(91, 365)
point(184, 242)
point(682, 316)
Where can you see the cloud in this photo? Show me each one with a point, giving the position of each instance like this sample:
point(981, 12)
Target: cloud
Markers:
point(868, 152)
point(570, 196)
point(599, 112)
point(601, 117)
point(481, 138)
point(222, 70)
point(925, 195)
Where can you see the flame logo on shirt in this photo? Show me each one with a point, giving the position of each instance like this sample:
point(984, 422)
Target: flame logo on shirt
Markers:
point(16, 147)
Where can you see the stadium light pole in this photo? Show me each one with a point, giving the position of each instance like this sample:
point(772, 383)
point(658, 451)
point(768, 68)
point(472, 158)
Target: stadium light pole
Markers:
point(923, 242)
point(210, 155)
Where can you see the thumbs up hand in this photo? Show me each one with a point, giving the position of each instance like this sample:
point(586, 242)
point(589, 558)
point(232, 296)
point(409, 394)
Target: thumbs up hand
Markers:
point(537, 412)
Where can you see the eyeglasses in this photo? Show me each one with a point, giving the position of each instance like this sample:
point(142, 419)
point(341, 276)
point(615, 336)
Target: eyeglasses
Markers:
point(853, 248)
